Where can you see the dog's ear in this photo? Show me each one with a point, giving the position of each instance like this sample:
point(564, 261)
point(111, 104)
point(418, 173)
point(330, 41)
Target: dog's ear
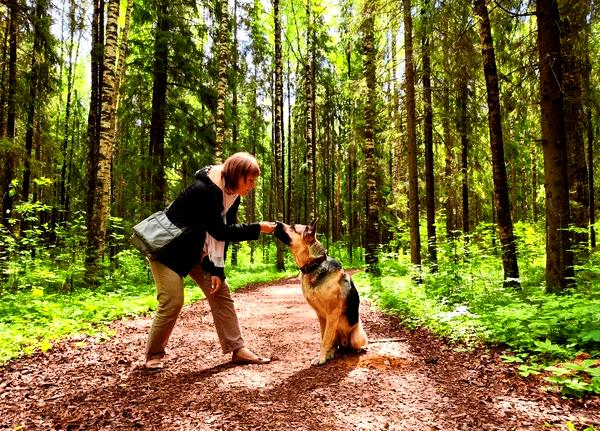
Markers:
point(311, 229)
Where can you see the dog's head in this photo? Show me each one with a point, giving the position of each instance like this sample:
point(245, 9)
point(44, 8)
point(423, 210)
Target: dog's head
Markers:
point(302, 240)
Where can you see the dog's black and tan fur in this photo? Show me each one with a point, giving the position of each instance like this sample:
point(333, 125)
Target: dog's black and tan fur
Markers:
point(327, 288)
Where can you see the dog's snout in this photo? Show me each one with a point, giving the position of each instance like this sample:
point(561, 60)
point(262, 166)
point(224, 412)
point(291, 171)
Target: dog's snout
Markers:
point(281, 234)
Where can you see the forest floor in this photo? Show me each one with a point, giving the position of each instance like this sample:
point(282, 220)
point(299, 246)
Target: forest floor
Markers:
point(406, 380)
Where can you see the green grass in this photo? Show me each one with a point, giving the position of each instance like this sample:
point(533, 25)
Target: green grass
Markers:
point(35, 318)
point(554, 336)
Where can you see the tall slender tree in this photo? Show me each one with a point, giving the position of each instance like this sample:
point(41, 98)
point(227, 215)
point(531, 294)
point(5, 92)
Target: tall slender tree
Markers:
point(428, 139)
point(463, 123)
point(573, 45)
point(411, 131)
point(559, 255)
point(101, 210)
point(278, 131)
point(4, 34)
point(9, 159)
point(223, 53)
point(159, 108)
point(501, 202)
point(71, 59)
point(310, 115)
point(450, 174)
point(372, 221)
point(93, 126)
point(41, 32)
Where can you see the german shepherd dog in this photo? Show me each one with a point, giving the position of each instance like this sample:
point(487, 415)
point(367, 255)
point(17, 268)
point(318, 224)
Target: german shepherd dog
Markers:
point(327, 288)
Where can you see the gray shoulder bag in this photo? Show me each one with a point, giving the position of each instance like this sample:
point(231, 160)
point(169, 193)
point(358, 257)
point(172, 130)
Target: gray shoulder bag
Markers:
point(151, 235)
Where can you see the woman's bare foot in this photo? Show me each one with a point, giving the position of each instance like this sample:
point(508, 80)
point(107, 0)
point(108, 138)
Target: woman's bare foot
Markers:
point(246, 356)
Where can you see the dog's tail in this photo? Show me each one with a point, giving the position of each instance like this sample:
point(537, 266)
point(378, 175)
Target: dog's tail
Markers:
point(352, 301)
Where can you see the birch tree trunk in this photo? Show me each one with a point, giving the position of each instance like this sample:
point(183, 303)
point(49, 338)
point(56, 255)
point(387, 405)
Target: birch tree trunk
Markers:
point(310, 117)
point(278, 132)
point(101, 211)
point(222, 79)
point(559, 256)
point(501, 202)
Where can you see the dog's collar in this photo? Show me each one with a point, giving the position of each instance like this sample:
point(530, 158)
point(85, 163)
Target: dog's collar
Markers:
point(310, 267)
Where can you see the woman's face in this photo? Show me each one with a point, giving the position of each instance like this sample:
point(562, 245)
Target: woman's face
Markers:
point(246, 185)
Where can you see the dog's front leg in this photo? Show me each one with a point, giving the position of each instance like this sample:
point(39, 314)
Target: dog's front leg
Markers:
point(322, 325)
point(327, 341)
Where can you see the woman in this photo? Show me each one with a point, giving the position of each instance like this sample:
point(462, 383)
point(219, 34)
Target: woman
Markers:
point(207, 211)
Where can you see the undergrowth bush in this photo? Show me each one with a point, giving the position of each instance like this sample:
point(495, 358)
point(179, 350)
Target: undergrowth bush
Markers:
point(465, 301)
point(44, 301)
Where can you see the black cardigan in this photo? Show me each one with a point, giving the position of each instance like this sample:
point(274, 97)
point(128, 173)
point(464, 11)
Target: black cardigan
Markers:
point(198, 210)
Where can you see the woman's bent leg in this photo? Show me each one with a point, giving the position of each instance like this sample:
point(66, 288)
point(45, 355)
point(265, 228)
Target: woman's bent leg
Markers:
point(169, 292)
point(223, 311)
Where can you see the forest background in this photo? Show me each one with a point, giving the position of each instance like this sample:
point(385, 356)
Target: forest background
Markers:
point(450, 147)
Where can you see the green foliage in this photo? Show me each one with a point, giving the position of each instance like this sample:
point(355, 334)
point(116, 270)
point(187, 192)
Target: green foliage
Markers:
point(39, 316)
point(465, 301)
point(44, 305)
point(576, 378)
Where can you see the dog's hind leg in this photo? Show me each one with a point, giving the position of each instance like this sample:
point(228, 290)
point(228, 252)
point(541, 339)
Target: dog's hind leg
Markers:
point(327, 341)
point(358, 337)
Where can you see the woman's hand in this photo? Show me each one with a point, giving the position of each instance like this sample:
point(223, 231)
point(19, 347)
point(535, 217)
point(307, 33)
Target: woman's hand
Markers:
point(267, 226)
point(215, 284)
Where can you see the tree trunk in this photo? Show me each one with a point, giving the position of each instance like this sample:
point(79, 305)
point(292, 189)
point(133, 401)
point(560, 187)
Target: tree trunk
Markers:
point(310, 116)
point(118, 195)
point(159, 100)
point(99, 226)
point(222, 80)
point(592, 201)
point(120, 68)
point(9, 159)
point(428, 142)
point(3, 89)
point(411, 131)
point(278, 132)
point(235, 72)
point(66, 129)
point(93, 127)
point(464, 140)
point(450, 173)
point(235, 246)
point(575, 51)
point(559, 256)
point(501, 201)
point(39, 28)
point(534, 182)
point(372, 221)
point(288, 200)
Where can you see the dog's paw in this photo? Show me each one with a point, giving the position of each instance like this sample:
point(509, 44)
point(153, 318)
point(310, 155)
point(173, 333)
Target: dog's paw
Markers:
point(323, 357)
point(319, 360)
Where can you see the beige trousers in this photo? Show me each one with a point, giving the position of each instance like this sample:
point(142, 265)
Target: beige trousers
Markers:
point(169, 292)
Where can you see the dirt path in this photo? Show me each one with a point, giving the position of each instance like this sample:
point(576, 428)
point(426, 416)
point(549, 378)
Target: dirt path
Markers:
point(414, 382)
